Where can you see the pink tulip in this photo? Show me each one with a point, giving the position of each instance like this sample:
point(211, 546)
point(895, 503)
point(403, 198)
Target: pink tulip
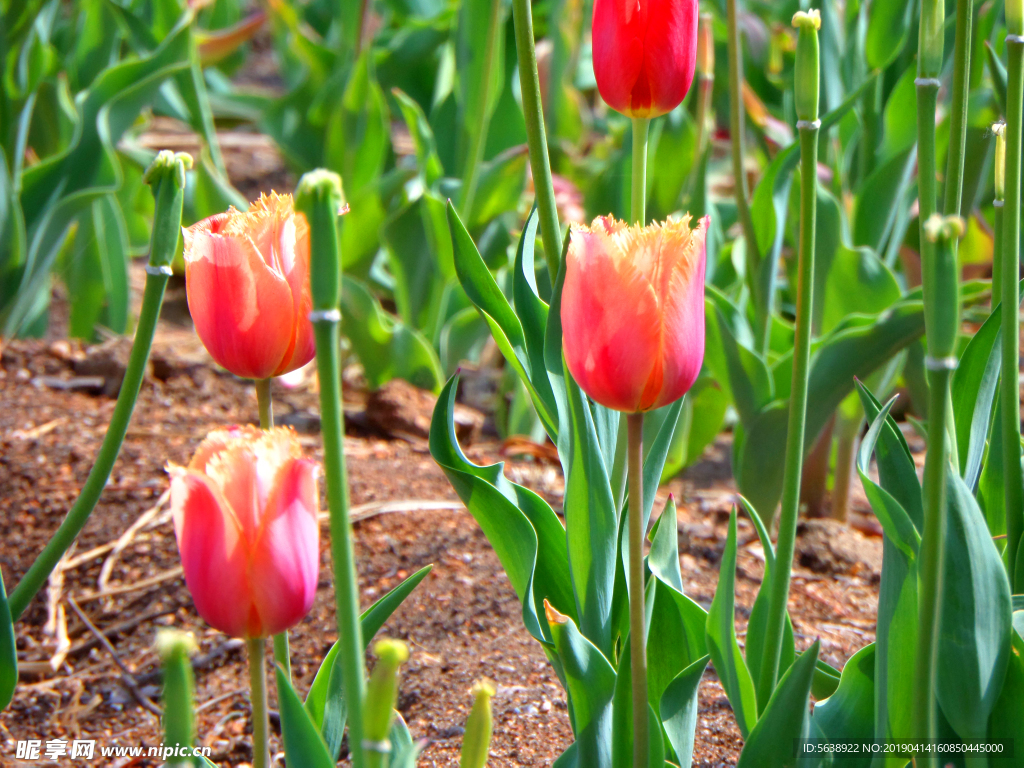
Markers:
point(633, 311)
point(245, 515)
point(247, 281)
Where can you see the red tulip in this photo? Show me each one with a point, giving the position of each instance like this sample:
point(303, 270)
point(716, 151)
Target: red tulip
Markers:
point(644, 53)
point(245, 515)
point(633, 311)
point(247, 281)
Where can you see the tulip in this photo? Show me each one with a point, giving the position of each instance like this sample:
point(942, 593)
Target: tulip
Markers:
point(245, 516)
point(644, 53)
point(247, 281)
point(633, 311)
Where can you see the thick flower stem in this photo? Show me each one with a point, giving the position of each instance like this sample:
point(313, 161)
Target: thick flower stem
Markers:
point(282, 654)
point(260, 715)
point(536, 138)
point(318, 196)
point(779, 595)
point(1010, 293)
point(482, 119)
point(167, 177)
point(737, 132)
point(637, 615)
point(638, 190)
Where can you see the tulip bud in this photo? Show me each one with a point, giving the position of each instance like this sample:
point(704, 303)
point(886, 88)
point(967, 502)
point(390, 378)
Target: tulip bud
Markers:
point(166, 175)
point(806, 71)
point(245, 517)
point(478, 727)
point(999, 129)
point(932, 40)
point(320, 198)
point(174, 649)
point(942, 285)
point(382, 694)
point(706, 46)
point(247, 281)
point(1015, 17)
point(644, 54)
point(633, 311)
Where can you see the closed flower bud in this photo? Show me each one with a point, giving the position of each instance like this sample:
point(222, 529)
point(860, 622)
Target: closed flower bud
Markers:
point(247, 281)
point(478, 727)
point(1015, 17)
point(633, 311)
point(644, 53)
point(805, 72)
point(382, 693)
point(245, 516)
point(999, 129)
point(932, 37)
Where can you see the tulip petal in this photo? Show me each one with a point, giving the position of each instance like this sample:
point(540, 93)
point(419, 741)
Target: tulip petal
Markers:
point(242, 309)
point(670, 54)
point(618, 45)
point(611, 324)
point(285, 559)
point(213, 554)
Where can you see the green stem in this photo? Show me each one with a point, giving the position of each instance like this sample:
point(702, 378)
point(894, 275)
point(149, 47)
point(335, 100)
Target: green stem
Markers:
point(637, 613)
point(260, 714)
point(481, 121)
point(997, 253)
point(167, 177)
point(737, 133)
point(779, 595)
point(638, 190)
point(936, 459)
point(282, 653)
point(1010, 291)
point(536, 138)
point(958, 111)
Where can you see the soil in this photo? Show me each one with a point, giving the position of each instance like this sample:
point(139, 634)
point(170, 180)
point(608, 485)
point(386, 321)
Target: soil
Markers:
point(462, 623)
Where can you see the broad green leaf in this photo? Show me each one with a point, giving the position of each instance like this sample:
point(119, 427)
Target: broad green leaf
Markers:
point(590, 682)
point(678, 710)
point(975, 382)
point(462, 338)
point(1005, 721)
point(721, 640)
point(888, 31)
point(479, 78)
point(404, 751)
point(302, 742)
point(785, 718)
point(502, 181)
point(849, 713)
point(8, 651)
point(357, 138)
point(387, 347)
point(858, 281)
point(976, 617)
point(676, 636)
point(734, 365)
point(418, 285)
point(663, 559)
point(506, 328)
point(877, 203)
point(427, 161)
point(702, 418)
point(997, 69)
point(325, 701)
point(526, 534)
point(591, 523)
point(991, 491)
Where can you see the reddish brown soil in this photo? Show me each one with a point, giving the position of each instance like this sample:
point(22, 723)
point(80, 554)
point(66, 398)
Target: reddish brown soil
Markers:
point(462, 623)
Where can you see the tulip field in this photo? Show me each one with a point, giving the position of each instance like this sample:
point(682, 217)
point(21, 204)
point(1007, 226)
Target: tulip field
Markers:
point(571, 383)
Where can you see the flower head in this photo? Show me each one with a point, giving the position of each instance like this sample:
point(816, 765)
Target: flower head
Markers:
point(245, 516)
point(633, 311)
point(247, 281)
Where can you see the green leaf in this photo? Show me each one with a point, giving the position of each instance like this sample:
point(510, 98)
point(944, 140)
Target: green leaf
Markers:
point(997, 69)
point(591, 523)
point(427, 161)
point(976, 617)
point(721, 640)
point(888, 32)
point(679, 708)
point(478, 89)
point(858, 281)
point(418, 284)
point(462, 338)
point(676, 636)
point(357, 138)
point(877, 202)
point(386, 346)
point(526, 534)
point(785, 717)
point(1006, 722)
point(502, 181)
point(325, 701)
point(733, 365)
point(622, 718)
point(663, 559)
point(849, 713)
point(302, 742)
point(975, 382)
point(506, 328)
point(590, 682)
point(8, 651)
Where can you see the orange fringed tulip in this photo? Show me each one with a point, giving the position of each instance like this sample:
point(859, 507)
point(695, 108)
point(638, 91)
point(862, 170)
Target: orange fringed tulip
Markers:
point(644, 53)
point(247, 281)
point(633, 311)
point(245, 515)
